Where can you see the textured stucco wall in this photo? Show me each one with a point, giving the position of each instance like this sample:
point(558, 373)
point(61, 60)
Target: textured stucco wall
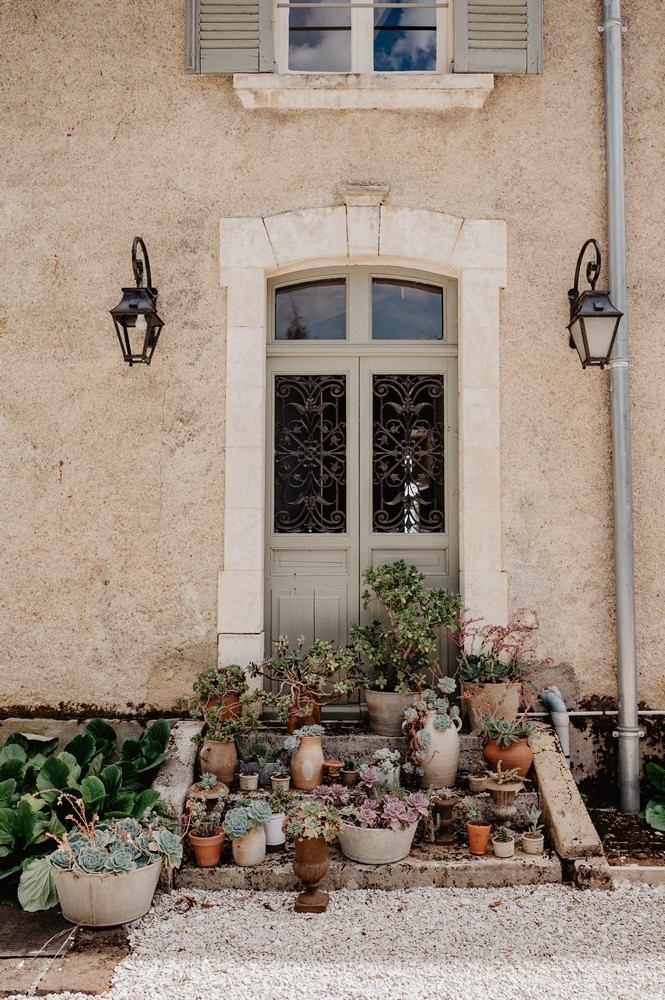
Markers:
point(112, 490)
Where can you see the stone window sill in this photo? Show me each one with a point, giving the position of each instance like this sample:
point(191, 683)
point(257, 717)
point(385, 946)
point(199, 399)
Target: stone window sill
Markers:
point(361, 91)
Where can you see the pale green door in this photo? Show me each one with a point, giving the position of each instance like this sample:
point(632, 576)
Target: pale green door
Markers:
point(362, 441)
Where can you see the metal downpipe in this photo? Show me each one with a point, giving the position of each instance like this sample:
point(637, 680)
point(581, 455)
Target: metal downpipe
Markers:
point(627, 731)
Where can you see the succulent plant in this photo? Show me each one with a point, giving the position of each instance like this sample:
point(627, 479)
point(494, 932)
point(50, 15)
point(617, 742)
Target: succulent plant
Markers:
point(350, 764)
point(503, 835)
point(208, 781)
point(311, 819)
point(239, 822)
point(534, 815)
point(473, 814)
point(201, 822)
point(292, 742)
point(501, 777)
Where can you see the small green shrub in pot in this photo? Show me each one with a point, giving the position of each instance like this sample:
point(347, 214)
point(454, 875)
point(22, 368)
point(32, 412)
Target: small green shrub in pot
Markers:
point(654, 811)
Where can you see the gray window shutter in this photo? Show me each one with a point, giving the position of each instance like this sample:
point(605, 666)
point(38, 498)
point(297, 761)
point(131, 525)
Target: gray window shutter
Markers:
point(229, 36)
point(498, 36)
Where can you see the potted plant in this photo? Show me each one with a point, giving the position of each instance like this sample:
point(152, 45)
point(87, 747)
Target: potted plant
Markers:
point(386, 768)
point(280, 780)
point(302, 680)
point(205, 832)
point(494, 662)
point(220, 688)
point(432, 727)
point(275, 837)
point(332, 770)
point(508, 742)
point(260, 758)
point(208, 787)
point(307, 758)
point(312, 825)
point(503, 843)
point(378, 825)
point(478, 832)
point(401, 649)
point(477, 783)
point(533, 841)
point(503, 787)
point(218, 744)
point(245, 827)
point(349, 774)
point(248, 780)
point(104, 873)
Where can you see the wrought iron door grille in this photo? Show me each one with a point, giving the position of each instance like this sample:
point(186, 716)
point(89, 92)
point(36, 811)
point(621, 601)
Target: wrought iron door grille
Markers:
point(310, 453)
point(408, 453)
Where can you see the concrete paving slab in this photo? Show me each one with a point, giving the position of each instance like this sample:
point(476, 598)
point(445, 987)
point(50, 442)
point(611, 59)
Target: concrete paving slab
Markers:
point(23, 934)
point(21, 975)
point(644, 874)
point(89, 966)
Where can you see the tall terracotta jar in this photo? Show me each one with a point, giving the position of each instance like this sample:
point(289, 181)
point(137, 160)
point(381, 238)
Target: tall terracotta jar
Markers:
point(307, 764)
point(519, 755)
point(310, 864)
point(442, 761)
point(220, 758)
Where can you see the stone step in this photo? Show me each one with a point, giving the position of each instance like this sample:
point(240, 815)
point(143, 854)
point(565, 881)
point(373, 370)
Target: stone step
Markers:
point(431, 865)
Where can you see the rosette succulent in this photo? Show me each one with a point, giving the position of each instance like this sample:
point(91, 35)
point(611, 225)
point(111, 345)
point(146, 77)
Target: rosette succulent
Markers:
point(240, 821)
point(419, 740)
point(312, 819)
point(292, 742)
point(377, 808)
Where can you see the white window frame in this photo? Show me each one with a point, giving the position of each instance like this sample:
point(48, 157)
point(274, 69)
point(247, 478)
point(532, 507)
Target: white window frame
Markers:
point(362, 37)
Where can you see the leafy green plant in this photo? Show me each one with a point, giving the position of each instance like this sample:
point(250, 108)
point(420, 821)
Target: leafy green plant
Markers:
point(199, 821)
point(304, 679)
point(654, 811)
point(279, 800)
point(401, 652)
point(225, 731)
point(211, 685)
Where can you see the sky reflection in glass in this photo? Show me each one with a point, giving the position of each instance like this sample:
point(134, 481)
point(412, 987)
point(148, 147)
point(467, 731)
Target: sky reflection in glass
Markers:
point(406, 311)
point(312, 311)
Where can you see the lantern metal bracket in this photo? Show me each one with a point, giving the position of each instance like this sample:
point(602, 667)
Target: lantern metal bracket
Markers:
point(592, 272)
point(137, 264)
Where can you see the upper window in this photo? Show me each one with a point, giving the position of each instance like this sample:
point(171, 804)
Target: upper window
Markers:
point(358, 36)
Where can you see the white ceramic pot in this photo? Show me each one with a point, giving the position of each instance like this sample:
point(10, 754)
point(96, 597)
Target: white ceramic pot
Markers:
point(275, 835)
point(533, 843)
point(248, 782)
point(385, 710)
point(503, 848)
point(106, 899)
point(442, 761)
point(375, 847)
point(250, 850)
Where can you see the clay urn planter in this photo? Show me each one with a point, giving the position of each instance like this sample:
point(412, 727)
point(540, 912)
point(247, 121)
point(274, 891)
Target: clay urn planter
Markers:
point(498, 698)
point(443, 809)
point(519, 755)
point(443, 752)
point(503, 794)
point(332, 770)
point(220, 758)
point(310, 864)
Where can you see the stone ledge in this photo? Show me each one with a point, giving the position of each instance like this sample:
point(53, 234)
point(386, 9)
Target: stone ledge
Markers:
point(363, 91)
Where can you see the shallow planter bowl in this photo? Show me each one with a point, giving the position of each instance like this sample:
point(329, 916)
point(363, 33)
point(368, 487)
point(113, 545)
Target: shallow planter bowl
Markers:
point(375, 847)
point(105, 899)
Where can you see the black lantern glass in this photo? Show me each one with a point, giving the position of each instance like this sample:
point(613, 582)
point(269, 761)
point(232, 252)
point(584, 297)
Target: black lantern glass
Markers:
point(594, 321)
point(135, 317)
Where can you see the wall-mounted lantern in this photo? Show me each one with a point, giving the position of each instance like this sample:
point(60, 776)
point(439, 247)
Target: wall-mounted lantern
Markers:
point(135, 317)
point(594, 321)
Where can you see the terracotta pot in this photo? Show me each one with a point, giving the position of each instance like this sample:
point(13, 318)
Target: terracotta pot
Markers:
point(105, 900)
point(349, 778)
point(519, 755)
point(503, 797)
point(207, 850)
point(533, 843)
point(307, 764)
point(295, 721)
point(503, 848)
point(310, 864)
point(499, 699)
point(479, 837)
point(230, 706)
point(368, 846)
point(385, 709)
point(442, 761)
point(250, 850)
point(220, 758)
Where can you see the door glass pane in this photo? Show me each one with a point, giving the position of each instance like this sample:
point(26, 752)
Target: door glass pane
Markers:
point(406, 310)
point(310, 453)
point(405, 38)
point(315, 310)
point(407, 453)
point(320, 38)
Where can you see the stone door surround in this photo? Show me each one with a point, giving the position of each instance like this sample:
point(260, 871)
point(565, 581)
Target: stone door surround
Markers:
point(361, 231)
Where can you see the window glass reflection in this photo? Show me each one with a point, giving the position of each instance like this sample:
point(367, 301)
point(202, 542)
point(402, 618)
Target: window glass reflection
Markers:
point(405, 38)
point(406, 310)
point(320, 39)
point(312, 311)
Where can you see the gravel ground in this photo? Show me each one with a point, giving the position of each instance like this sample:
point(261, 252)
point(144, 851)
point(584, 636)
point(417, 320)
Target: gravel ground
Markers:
point(517, 943)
